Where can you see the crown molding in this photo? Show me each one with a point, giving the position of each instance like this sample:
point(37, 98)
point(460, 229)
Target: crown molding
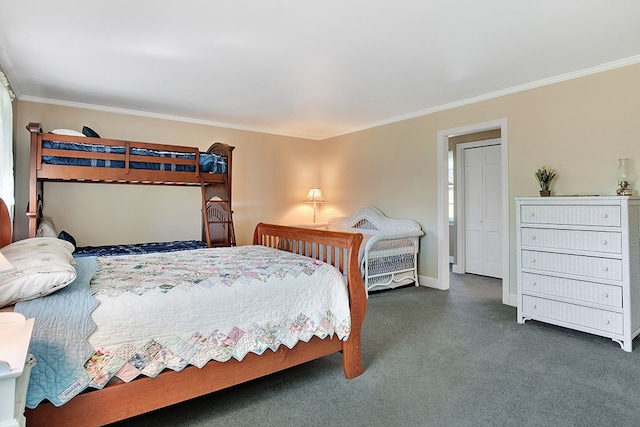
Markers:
point(515, 89)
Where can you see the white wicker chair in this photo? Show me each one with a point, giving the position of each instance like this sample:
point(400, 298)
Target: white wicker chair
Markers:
point(389, 254)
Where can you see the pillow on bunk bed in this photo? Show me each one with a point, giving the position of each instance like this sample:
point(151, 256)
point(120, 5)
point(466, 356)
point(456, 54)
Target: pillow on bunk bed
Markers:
point(46, 228)
point(42, 266)
point(87, 131)
point(68, 132)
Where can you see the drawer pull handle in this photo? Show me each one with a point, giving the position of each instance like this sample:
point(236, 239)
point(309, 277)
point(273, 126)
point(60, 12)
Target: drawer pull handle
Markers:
point(605, 216)
point(606, 321)
point(533, 283)
point(533, 260)
point(533, 237)
point(605, 269)
point(604, 242)
point(534, 306)
point(606, 295)
point(532, 214)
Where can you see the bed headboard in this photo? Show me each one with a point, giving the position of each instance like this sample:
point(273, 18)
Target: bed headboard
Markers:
point(5, 225)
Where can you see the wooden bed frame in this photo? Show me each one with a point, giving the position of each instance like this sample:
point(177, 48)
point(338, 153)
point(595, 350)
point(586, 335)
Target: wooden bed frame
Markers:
point(119, 400)
point(213, 184)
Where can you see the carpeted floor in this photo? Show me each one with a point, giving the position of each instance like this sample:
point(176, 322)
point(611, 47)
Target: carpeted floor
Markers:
point(439, 358)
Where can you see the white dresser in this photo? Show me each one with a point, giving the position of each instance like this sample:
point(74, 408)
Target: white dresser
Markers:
point(15, 367)
point(579, 264)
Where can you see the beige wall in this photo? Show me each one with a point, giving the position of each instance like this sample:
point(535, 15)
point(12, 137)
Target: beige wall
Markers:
point(271, 176)
point(579, 127)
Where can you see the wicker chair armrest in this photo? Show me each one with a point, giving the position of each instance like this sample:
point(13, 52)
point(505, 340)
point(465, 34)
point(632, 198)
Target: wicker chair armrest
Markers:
point(397, 235)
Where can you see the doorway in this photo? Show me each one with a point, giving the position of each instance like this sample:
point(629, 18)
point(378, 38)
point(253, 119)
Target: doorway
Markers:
point(443, 202)
point(478, 221)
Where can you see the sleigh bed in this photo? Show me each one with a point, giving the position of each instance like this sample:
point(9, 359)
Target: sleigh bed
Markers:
point(67, 156)
point(308, 252)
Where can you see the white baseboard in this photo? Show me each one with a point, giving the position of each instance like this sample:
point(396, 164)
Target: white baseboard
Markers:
point(511, 299)
point(430, 282)
point(456, 269)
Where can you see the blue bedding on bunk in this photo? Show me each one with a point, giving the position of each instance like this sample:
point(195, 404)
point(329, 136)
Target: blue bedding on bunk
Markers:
point(210, 163)
point(138, 248)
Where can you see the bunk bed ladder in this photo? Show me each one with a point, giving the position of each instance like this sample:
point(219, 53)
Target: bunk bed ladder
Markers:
point(217, 215)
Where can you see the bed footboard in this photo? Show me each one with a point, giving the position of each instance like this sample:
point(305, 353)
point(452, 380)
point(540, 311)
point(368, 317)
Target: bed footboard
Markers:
point(338, 249)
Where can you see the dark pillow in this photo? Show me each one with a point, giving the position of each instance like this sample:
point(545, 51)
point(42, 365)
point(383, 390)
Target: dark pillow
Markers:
point(68, 237)
point(87, 131)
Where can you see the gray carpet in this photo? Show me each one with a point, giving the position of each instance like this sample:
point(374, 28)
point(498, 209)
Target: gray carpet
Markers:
point(440, 358)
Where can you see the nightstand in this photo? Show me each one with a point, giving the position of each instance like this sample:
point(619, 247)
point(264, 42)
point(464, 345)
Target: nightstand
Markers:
point(15, 367)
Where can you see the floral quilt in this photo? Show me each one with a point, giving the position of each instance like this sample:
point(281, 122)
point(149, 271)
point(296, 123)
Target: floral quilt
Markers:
point(170, 310)
point(173, 309)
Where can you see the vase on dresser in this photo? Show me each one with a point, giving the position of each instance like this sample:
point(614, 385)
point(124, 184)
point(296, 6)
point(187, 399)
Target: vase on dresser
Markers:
point(545, 193)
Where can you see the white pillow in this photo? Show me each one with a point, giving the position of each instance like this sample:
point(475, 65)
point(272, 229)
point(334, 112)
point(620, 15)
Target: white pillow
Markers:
point(69, 132)
point(43, 265)
point(46, 228)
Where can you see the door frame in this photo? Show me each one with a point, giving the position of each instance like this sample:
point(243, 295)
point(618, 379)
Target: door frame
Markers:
point(460, 251)
point(443, 202)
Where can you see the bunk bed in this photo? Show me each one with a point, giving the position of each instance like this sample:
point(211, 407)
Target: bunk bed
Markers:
point(119, 400)
point(78, 158)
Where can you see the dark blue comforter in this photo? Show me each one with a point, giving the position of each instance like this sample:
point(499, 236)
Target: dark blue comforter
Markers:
point(210, 163)
point(139, 248)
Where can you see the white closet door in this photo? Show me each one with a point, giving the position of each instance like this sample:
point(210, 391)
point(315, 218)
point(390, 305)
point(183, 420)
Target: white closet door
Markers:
point(473, 195)
point(482, 188)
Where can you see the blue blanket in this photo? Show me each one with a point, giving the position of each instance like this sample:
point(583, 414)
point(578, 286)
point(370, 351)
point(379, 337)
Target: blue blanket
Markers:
point(59, 374)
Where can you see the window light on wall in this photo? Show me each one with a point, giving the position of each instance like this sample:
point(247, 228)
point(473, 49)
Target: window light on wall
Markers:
point(6, 143)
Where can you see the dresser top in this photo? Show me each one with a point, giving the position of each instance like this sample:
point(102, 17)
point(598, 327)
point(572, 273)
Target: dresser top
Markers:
point(578, 199)
point(15, 334)
point(577, 196)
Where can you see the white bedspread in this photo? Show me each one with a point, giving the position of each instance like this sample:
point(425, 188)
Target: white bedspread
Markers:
point(168, 310)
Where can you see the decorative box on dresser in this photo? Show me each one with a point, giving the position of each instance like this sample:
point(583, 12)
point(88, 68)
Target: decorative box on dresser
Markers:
point(579, 264)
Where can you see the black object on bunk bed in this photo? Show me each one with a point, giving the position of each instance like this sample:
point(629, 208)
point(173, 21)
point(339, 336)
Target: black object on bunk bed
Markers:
point(77, 158)
point(138, 248)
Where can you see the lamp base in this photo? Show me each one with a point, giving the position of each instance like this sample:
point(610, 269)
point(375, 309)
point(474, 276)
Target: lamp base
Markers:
point(624, 189)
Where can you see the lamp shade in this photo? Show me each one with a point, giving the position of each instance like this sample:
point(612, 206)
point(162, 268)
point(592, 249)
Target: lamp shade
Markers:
point(314, 196)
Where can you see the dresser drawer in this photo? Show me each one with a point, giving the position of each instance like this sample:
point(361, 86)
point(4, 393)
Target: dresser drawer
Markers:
point(585, 266)
point(578, 290)
point(571, 215)
point(594, 318)
point(596, 241)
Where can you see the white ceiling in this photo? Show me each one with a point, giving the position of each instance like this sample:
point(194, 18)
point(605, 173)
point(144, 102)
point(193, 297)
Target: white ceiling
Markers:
point(312, 69)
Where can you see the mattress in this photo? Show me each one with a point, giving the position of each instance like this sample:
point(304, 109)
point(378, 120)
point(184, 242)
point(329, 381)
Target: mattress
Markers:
point(209, 162)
